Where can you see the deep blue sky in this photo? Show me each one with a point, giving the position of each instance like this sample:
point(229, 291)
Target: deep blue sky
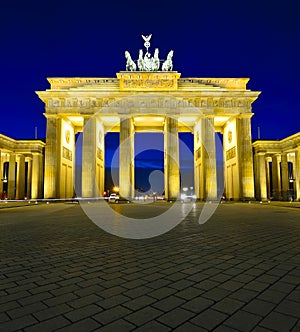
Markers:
point(256, 39)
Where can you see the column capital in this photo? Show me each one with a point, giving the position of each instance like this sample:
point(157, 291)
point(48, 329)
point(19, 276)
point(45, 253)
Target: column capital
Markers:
point(245, 115)
point(51, 116)
point(261, 153)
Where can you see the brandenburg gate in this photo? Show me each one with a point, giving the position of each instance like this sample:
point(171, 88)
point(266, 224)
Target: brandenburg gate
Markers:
point(145, 98)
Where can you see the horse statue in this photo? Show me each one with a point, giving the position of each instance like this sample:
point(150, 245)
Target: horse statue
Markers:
point(130, 65)
point(168, 64)
point(140, 62)
point(155, 60)
point(147, 62)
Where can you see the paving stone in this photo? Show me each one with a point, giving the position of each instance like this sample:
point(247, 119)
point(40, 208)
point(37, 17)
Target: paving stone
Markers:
point(134, 283)
point(244, 295)
point(231, 285)
point(168, 303)
point(289, 279)
point(224, 328)
point(243, 321)
point(259, 307)
point(85, 325)
point(159, 283)
point(14, 296)
point(181, 284)
point(256, 286)
point(272, 296)
point(118, 325)
point(18, 323)
point(9, 305)
point(83, 312)
point(143, 316)
point(294, 296)
point(18, 288)
point(206, 284)
point(260, 329)
point(3, 318)
point(112, 314)
point(88, 290)
point(175, 276)
point(85, 300)
point(289, 308)
point(60, 299)
point(175, 317)
point(221, 278)
point(233, 271)
point(153, 326)
point(228, 305)
point(187, 270)
point(162, 292)
point(137, 292)
point(35, 298)
point(197, 277)
point(189, 327)
point(244, 278)
point(65, 289)
point(189, 293)
point(255, 272)
point(278, 322)
point(45, 288)
point(139, 302)
point(216, 294)
point(209, 319)
point(52, 312)
point(198, 304)
point(49, 325)
point(29, 309)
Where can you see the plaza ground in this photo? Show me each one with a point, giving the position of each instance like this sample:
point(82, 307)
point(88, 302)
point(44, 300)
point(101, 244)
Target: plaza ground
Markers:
point(239, 271)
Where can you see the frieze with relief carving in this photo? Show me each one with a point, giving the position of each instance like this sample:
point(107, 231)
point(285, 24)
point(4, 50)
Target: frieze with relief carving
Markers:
point(231, 153)
point(66, 153)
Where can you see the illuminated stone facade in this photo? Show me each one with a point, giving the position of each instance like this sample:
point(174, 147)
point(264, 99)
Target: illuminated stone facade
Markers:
point(277, 168)
point(148, 101)
point(21, 168)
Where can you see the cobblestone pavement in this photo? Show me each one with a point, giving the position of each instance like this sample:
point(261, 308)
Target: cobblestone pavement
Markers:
point(240, 271)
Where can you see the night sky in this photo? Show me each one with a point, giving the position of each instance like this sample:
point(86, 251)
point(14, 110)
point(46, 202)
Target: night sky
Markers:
point(255, 39)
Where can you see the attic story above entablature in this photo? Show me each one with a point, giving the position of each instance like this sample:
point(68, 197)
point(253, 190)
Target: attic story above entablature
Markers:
point(150, 80)
point(62, 99)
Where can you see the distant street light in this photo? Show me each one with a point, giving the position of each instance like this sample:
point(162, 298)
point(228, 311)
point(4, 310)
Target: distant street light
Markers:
point(116, 189)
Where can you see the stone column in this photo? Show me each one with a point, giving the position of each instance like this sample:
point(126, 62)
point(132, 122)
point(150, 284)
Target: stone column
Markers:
point(1, 174)
point(197, 160)
point(297, 173)
point(269, 194)
point(89, 157)
point(1, 167)
point(261, 176)
point(37, 176)
point(29, 178)
point(100, 160)
point(11, 187)
point(275, 178)
point(245, 156)
point(20, 188)
point(52, 150)
point(171, 160)
point(208, 155)
point(285, 176)
point(126, 162)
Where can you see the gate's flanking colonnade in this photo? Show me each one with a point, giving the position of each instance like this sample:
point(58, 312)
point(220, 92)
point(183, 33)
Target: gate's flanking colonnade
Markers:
point(21, 168)
point(277, 168)
point(148, 101)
